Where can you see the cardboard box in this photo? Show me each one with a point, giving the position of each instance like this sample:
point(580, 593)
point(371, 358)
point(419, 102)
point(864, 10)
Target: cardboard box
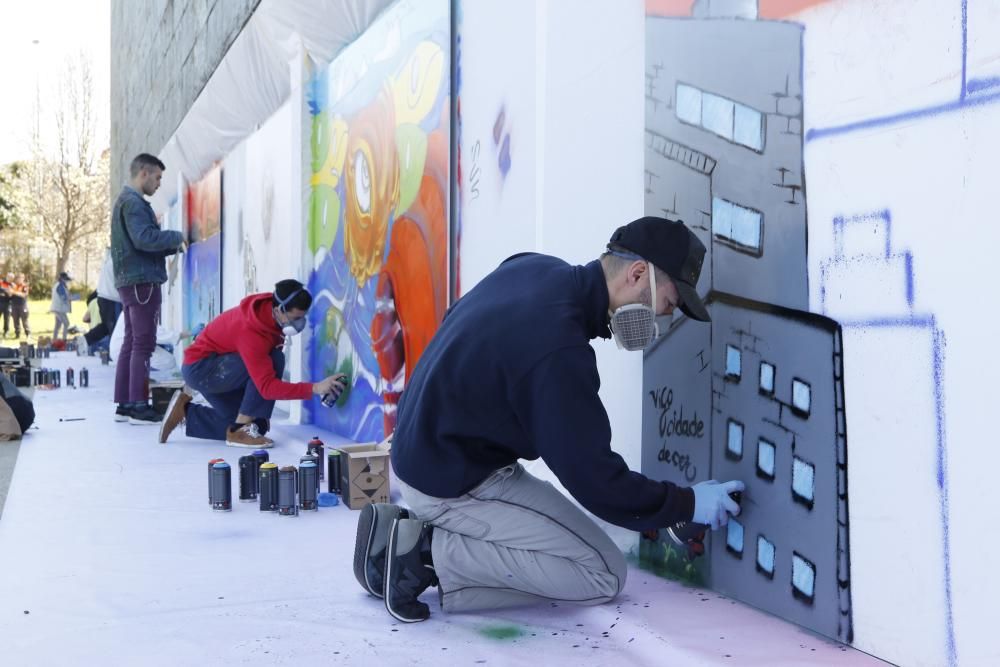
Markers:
point(364, 474)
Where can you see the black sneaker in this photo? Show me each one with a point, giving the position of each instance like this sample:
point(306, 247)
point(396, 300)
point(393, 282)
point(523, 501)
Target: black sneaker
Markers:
point(374, 525)
point(122, 413)
point(144, 415)
point(409, 570)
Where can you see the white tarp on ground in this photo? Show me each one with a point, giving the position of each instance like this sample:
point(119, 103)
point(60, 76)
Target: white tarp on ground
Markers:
point(110, 554)
point(253, 80)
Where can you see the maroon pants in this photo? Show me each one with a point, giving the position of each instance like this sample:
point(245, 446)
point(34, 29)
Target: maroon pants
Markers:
point(140, 311)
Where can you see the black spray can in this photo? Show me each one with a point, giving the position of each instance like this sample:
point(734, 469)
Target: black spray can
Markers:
point(683, 532)
point(57, 377)
point(248, 478)
point(221, 487)
point(315, 448)
point(261, 456)
point(69, 377)
point(308, 486)
point(210, 464)
point(84, 378)
point(315, 461)
point(267, 485)
point(105, 358)
point(333, 471)
point(287, 481)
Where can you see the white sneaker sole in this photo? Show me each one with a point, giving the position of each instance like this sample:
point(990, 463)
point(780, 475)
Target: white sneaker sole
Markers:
point(243, 445)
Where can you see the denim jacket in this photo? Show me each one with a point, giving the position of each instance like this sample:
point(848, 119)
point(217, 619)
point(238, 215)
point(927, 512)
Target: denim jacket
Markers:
point(138, 245)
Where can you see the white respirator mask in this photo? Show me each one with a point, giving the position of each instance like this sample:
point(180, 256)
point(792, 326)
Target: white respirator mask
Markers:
point(634, 325)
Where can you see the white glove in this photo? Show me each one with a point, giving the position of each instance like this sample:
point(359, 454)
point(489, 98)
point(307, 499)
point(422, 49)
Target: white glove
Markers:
point(712, 504)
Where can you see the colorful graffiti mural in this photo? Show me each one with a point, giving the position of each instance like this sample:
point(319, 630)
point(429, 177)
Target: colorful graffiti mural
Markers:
point(378, 221)
point(203, 260)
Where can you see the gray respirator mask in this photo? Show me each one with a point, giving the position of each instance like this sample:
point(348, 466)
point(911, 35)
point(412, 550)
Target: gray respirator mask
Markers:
point(634, 325)
point(291, 327)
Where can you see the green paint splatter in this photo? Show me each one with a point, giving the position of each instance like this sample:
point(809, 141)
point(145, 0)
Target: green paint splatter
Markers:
point(669, 562)
point(502, 632)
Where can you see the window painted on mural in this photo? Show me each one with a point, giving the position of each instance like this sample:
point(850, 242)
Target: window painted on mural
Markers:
point(803, 578)
point(748, 127)
point(766, 378)
point(734, 446)
point(765, 459)
point(689, 104)
point(717, 115)
point(765, 556)
point(730, 120)
point(737, 224)
point(801, 397)
point(734, 538)
point(803, 482)
point(734, 363)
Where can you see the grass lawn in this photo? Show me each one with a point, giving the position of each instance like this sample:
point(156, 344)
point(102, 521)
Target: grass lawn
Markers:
point(42, 321)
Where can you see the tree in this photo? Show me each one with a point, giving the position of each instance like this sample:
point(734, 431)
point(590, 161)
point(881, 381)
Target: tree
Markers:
point(64, 187)
point(10, 213)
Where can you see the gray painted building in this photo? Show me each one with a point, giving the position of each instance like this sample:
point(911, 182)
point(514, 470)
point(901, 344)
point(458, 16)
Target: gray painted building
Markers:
point(162, 55)
point(758, 394)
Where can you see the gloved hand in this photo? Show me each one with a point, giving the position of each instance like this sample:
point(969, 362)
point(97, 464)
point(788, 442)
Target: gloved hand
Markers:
point(712, 504)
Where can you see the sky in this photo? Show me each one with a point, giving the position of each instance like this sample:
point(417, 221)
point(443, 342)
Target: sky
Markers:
point(62, 28)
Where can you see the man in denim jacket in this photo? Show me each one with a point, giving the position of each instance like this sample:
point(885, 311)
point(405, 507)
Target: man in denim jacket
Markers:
point(138, 251)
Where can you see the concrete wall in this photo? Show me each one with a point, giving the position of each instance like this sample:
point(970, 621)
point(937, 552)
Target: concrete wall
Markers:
point(162, 54)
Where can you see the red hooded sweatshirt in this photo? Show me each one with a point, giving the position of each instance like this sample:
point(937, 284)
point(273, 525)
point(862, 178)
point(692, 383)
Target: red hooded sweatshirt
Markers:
point(249, 330)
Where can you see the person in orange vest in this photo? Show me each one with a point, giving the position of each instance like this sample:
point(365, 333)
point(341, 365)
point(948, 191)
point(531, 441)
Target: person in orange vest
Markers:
point(6, 286)
point(19, 306)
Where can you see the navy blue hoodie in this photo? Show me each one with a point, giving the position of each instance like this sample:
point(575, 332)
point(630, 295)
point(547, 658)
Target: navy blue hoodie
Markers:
point(511, 374)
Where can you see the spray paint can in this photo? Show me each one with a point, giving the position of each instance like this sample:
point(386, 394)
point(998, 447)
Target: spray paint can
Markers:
point(287, 481)
point(57, 377)
point(333, 471)
point(210, 464)
point(315, 448)
point(308, 486)
point(316, 461)
point(220, 487)
point(38, 376)
point(268, 487)
point(105, 358)
point(248, 478)
point(69, 377)
point(262, 457)
point(683, 532)
point(84, 378)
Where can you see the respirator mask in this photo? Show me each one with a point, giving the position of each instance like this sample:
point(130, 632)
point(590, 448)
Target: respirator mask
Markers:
point(634, 325)
point(291, 327)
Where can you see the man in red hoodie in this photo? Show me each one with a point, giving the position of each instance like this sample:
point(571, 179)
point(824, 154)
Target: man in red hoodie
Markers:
point(236, 363)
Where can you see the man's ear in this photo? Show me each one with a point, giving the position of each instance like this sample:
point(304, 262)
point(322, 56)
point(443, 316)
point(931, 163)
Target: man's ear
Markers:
point(636, 271)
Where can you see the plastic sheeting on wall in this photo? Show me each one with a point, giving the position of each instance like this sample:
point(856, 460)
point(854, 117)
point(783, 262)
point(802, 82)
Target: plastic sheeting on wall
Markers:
point(254, 78)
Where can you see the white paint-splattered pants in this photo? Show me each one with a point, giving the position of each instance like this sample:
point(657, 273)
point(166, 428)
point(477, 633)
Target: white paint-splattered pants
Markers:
point(516, 540)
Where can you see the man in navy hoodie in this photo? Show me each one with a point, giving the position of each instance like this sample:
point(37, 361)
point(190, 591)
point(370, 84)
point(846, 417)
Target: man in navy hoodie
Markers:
point(511, 375)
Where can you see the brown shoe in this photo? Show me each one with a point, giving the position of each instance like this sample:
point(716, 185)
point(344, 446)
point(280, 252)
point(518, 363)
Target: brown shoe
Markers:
point(248, 436)
point(176, 412)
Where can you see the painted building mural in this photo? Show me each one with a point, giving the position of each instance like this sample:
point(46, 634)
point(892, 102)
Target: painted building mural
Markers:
point(203, 259)
point(378, 221)
point(828, 379)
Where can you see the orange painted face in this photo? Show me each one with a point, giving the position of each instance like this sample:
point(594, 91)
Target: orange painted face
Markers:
point(371, 181)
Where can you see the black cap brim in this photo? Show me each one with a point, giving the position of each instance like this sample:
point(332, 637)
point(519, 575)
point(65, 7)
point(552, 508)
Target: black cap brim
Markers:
point(691, 304)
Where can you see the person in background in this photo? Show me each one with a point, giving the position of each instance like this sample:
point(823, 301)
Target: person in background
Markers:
point(61, 305)
point(103, 308)
point(19, 306)
point(6, 285)
point(138, 252)
point(236, 363)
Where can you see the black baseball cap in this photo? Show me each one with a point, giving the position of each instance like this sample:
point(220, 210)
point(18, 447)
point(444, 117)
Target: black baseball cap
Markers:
point(672, 247)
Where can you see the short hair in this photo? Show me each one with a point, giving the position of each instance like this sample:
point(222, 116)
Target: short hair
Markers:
point(614, 262)
point(285, 288)
point(144, 161)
